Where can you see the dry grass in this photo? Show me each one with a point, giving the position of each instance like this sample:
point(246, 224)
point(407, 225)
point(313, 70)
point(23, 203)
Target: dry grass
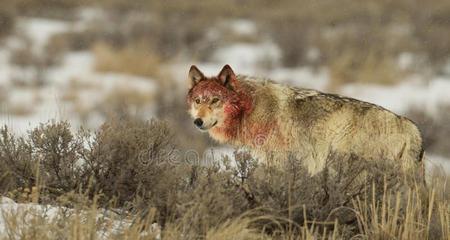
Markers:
point(121, 102)
point(219, 201)
point(359, 42)
point(129, 168)
point(70, 95)
point(48, 8)
point(383, 220)
point(7, 20)
point(19, 109)
point(25, 57)
point(71, 92)
point(136, 60)
point(4, 96)
point(351, 68)
point(412, 215)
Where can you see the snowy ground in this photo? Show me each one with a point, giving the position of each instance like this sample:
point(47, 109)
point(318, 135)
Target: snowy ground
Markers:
point(74, 90)
point(70, 89)
point(108, 223)
point(25, 213)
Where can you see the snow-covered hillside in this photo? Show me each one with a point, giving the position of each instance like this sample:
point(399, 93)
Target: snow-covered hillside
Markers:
point(75, 91)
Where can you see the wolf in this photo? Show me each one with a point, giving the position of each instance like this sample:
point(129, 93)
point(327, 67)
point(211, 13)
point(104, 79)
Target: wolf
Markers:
point(272, 120)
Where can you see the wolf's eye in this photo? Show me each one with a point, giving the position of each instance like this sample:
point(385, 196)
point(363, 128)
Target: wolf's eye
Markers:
point(215, 100)
point(197, 101)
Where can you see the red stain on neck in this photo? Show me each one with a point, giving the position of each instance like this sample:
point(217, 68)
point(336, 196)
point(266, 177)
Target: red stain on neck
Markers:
point(237, 127)
point(236, 108)
point(241, 129)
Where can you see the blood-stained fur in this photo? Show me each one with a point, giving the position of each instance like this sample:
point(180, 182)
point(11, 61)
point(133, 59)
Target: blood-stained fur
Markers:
point(276, 121)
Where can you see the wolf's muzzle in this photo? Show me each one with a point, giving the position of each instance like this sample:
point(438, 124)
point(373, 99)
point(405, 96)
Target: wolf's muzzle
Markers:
point(198, 122)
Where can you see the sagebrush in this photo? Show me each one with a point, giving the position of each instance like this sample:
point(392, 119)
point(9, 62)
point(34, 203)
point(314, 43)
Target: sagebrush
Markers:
point(135, 166)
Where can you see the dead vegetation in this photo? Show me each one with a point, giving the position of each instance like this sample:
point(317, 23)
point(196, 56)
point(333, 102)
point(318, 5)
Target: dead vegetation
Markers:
point(135, 60)
point(124, 102)
point(18, 109)
point(136, 169)
point(7, 18)
point(361, 41)
point(358, 42)
point(135, 166)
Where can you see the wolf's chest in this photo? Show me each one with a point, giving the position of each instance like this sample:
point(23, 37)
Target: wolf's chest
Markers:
point(264, 136)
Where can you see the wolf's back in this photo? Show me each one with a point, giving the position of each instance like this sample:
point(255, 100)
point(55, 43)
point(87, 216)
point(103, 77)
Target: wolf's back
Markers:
point(313, 125)
point(332, 123)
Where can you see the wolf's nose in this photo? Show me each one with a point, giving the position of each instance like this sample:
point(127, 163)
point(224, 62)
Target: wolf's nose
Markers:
point(198, 122)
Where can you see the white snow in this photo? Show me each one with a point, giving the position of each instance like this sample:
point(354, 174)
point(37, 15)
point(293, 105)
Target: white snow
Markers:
point(48, 101)
point(243, 27)
point(302, 77)
point(39, 30)
point(24, 213)
point(245, 57)
point(107, 221)
point(406, 60)
point(89, 14)
point(439, 162)
point(399, 98)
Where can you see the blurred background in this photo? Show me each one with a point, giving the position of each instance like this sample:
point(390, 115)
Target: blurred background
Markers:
point(88, 61)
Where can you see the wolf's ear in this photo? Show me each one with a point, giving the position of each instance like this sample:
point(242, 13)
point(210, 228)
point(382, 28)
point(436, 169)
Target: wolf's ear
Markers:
point(195, 76)
point(227, 76)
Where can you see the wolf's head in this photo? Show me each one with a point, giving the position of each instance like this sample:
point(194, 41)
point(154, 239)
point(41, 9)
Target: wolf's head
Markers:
point(215, 102)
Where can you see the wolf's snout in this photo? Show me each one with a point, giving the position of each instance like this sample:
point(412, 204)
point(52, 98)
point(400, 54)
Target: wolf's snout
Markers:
point(198, 122)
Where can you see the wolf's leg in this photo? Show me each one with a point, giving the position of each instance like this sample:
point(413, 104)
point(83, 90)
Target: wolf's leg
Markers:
point(414, 163)
point(422, 167)
point(316, 161)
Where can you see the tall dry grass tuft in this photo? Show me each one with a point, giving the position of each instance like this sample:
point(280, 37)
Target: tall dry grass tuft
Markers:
point(354, 67)
point(133, 59)
point(236, 229)
point(124, 102)
point(412, 215)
